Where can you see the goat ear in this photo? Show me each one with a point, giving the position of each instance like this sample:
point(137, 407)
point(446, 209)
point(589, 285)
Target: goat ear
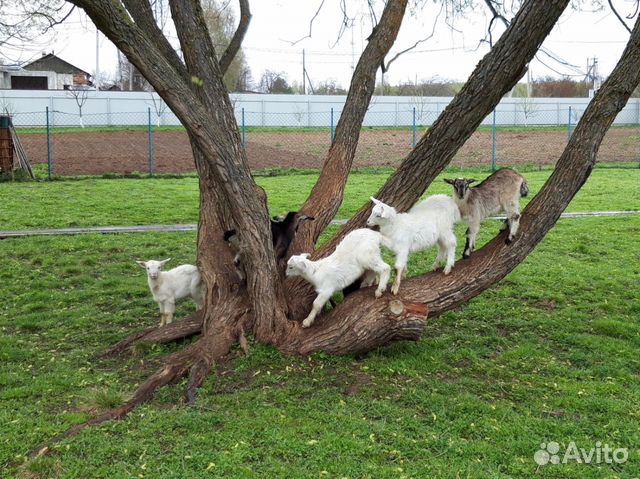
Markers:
point(451, 182)
point(163, 262)
point(305, 255)
point(375, 202)
point(142, 264)
point(471, 181)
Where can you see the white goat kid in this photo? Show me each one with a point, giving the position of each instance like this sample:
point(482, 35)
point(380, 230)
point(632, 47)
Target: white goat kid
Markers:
point(357, 253)
point(499, 193)
point(424, 225)
point(169, 286)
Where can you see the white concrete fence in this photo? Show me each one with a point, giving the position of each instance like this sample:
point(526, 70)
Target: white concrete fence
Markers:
point(296, 111)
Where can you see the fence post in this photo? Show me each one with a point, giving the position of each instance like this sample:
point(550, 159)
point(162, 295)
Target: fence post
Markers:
point(48, 145)
point(414, 127)
point(244, 130)
point(493, 152)
point(150, 142)
point(332, 125)
point(569, 126)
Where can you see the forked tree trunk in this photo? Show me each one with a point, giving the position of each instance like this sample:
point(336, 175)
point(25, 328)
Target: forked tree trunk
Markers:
point(494, 76)
point(230, 198)
point(356, 317)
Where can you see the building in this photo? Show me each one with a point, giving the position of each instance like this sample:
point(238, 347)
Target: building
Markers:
point(46, 73)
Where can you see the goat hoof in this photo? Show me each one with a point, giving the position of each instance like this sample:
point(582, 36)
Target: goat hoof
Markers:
point(306, 323)
point(378, 293)
point(465, 255)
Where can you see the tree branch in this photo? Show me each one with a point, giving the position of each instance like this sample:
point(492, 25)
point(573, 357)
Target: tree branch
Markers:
point(356, 323)
point(501, 68)
point(495, 75)
point(236, 41)
point(620, 19)
point(326, 196)
point(142, 14)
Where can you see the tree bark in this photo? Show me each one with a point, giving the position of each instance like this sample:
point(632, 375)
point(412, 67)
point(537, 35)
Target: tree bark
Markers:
point(236, 41)
point(229, 198)
point(326, 195)
point(494, 261)
point(501, 68)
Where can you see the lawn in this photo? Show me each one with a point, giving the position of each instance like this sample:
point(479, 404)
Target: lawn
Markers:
point(549, 354)
point(170, 200)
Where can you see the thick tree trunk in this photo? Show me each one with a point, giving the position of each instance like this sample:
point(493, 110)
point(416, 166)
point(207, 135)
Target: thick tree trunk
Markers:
point(494, 261)
point(495, 75)
point(327, 193)
point(230, 198)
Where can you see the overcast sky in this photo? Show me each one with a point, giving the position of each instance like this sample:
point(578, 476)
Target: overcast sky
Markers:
point(449, 54)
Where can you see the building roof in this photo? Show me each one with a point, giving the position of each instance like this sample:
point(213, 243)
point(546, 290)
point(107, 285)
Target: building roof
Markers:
point(50, 62)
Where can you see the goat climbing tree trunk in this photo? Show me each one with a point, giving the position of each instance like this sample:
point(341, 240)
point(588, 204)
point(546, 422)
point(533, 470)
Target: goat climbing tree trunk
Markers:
point(326, 195)
point(229, 198)
point(494, 76)
point(494, 261)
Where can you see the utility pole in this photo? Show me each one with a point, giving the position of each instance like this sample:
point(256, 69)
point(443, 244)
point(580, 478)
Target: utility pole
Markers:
point(304, 74)
point(592, 75)
point(96, 79)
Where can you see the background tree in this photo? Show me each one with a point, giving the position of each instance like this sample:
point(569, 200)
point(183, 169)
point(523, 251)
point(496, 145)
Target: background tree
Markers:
point(129, 78)
point(274, 82)
point(268, 307)
point(559, 88)
point(330, 87)
point(80, 94)
point(221, 21)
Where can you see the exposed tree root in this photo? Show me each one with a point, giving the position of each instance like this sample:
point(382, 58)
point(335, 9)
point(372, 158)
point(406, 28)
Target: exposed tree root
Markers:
point(174, 368)
point(211, 347)
point(180, 329)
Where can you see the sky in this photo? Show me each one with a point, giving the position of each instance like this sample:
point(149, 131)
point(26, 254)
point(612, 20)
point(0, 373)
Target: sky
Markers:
point(276, 39)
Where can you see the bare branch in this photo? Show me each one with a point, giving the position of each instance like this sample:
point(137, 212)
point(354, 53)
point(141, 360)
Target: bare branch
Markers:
point(615, 12)
point(386, 67)
point(233, 47)
point(310, 25)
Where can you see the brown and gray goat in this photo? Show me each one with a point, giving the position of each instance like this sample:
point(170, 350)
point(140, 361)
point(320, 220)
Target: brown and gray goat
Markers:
point(499, 193)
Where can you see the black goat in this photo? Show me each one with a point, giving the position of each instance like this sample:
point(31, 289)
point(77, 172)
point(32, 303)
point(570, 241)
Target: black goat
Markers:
point(283, 230)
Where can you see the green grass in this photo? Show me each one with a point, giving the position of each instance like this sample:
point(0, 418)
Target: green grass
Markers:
point(168, 200)
point(549, 354)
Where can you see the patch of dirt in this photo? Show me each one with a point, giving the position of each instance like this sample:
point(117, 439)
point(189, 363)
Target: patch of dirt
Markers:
point(96, 153)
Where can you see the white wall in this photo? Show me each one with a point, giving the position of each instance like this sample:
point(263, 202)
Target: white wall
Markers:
point(132, 108)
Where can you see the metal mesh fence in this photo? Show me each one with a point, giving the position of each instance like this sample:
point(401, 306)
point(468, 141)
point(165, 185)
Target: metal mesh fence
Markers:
point(152, 141)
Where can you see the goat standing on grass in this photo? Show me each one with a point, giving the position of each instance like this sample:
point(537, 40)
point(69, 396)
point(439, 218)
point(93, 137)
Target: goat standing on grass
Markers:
point(169, 286)
point(357, 253)
point(499, 193)
point(424, 225)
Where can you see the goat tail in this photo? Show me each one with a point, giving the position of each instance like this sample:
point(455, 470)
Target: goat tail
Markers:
point(524, 188)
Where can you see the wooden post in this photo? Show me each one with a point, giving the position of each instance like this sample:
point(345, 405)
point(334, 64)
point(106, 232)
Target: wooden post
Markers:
point(6, 146)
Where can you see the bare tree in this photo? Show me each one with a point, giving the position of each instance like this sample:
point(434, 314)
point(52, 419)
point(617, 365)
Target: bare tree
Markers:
point(80, 94)
point(274, 82)
point(266, 306)
point(159, 106)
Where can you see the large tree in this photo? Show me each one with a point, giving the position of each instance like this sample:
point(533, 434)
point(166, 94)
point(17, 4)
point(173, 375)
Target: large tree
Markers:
point(268, 307)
